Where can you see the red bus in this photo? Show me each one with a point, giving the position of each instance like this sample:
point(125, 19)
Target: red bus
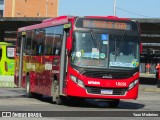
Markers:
point(93, 57)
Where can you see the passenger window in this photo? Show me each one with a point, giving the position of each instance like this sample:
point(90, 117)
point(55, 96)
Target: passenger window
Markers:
point(28, 42)
point(40, 41)
point(53, 40)
point(34, 43)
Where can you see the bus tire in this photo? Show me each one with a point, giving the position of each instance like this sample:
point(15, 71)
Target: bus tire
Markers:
point(58, 99)
point(113, 104)
point(28, 93)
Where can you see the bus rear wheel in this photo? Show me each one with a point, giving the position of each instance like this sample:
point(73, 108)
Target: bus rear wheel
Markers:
point(113, 103)
point(28, 93)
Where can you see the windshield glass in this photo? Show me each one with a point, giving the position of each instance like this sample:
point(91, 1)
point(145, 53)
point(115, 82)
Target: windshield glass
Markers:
point(123, 51)
point(91, 49)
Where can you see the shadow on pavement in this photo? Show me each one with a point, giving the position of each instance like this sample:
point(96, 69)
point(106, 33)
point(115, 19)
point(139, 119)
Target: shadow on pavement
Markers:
point(130, 105)
point(91, 103)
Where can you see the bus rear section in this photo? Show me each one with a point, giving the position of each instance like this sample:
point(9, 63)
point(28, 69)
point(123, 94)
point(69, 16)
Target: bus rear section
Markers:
point(7, 51)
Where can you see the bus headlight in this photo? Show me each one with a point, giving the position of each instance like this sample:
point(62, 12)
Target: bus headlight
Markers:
point(133, 84)
point(78, 81)
point(136, 81)
point(81, 83)
point(73, 78)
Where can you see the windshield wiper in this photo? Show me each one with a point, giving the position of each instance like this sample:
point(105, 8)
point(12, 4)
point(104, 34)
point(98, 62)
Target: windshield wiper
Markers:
point(118, 43)
point(94, 39)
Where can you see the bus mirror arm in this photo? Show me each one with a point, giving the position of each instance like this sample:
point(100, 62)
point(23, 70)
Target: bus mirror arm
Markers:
point(68, 52)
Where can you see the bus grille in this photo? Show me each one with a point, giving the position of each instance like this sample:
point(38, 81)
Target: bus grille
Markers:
point(116, 91)
point(104, 75)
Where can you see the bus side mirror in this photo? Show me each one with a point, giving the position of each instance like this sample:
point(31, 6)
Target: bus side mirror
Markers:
point(67, 28)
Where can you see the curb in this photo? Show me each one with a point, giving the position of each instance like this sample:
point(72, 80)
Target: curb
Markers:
point(144, 75)
point(147, 89)
point(7, 82)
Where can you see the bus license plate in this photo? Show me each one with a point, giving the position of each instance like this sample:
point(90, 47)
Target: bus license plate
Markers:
point(109, 92)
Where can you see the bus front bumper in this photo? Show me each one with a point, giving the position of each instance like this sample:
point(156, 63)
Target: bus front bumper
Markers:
point(75, 90)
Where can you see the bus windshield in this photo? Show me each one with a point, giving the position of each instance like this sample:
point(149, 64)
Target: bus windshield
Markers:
point(103, 50)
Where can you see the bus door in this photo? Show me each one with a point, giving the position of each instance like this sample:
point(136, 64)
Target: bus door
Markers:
point(63, 60)
point(9, 61)
point(0, 60)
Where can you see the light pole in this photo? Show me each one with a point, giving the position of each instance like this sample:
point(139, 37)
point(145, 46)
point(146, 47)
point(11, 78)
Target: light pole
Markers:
point(114, 7)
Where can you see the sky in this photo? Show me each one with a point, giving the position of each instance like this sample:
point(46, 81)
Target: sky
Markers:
point(125, 8)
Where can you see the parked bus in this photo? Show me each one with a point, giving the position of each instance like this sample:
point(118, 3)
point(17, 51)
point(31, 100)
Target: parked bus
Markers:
point(83, 57)
point(7, 51)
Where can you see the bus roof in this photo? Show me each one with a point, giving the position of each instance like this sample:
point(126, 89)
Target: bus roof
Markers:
point(109, 17)
point(46, 23)
point(63, 20)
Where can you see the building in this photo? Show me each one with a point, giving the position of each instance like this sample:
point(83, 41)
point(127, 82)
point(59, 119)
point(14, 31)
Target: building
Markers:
point(19, 13)
point(30, 8)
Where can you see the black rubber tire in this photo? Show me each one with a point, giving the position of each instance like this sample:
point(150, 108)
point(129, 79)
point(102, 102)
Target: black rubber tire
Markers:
point(28, 93)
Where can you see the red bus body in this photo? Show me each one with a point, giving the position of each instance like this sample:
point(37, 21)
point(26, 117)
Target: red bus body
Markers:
point(75, 81)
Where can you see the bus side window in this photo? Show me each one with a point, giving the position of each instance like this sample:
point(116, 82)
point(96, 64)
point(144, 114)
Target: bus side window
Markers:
point(49, 41)
point(28, 43)
point(34, 43)
point(58, 48)
point(0, 54)
point(40, 36)
point(34, 47)
point(53, 40)
point(58, 37)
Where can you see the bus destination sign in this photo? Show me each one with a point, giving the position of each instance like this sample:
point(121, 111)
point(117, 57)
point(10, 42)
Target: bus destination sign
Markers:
point(106, 24)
